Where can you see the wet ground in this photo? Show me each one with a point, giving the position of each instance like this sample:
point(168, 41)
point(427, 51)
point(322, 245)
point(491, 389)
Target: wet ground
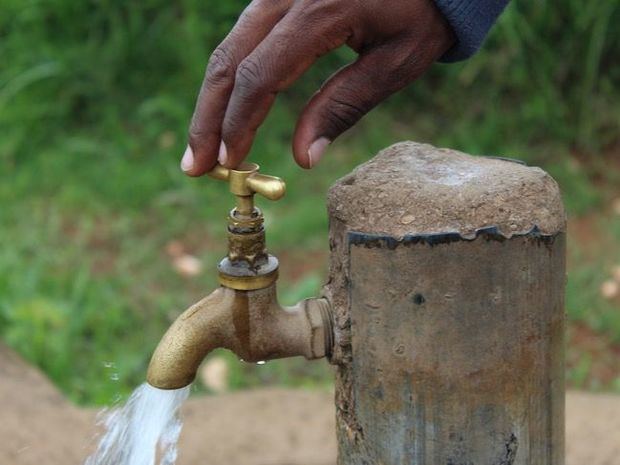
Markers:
point(262, 427)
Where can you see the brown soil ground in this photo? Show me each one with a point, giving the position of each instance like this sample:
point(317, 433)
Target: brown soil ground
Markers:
point(265, 427)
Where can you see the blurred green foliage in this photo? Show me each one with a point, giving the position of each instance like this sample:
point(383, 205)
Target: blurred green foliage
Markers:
point(95, 98)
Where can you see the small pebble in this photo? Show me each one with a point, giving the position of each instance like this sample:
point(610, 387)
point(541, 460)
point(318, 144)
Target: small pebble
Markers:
point(610, 289)
point(214, 374)
point(187, 265)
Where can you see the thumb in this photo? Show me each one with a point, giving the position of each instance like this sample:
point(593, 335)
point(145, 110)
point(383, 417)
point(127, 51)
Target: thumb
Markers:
point(351, 93)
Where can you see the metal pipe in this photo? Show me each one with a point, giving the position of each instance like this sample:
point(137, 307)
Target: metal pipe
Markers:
point(447, 281)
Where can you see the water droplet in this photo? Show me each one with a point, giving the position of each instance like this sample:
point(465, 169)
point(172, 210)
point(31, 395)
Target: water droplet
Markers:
point(114, 377)
point(261, 362)
point(107, 364)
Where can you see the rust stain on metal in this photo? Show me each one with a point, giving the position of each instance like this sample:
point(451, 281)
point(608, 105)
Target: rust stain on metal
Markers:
point(241, 321)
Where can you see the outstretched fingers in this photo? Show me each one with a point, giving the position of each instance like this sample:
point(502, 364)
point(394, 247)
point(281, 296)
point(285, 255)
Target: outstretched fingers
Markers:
point(254, 24)
point(308, 31)
point(276, 41)
point(355, 90)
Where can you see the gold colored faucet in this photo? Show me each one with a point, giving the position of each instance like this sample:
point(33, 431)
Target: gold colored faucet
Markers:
point(248, 266)
point(243, 315)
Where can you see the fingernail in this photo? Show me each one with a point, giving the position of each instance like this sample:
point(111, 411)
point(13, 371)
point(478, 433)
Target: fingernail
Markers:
point(317, 149)
point(187, 162)
point(222, 157)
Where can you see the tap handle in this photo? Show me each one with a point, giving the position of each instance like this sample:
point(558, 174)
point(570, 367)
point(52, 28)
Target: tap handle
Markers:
point(245, 181)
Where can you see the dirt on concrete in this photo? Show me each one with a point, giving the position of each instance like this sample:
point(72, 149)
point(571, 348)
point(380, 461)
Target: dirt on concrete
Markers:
point(264, 427)
point(418, 189)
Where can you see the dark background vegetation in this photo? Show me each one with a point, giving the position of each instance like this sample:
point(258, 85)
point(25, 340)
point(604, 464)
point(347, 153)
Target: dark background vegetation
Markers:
point(95, 99)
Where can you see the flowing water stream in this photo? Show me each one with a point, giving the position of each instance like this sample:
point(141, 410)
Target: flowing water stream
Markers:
point(144, 431)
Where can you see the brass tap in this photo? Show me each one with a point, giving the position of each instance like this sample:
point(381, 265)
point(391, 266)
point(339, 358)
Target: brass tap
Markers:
point(248, 266)
point(243, 315)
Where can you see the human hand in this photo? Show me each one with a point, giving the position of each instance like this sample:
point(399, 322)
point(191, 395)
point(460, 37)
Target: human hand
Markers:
point(275, 41)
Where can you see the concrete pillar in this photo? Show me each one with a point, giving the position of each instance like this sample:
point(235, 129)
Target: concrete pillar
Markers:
point(447, 279)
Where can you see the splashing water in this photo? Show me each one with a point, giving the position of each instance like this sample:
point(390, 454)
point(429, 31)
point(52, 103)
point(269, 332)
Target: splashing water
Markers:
point(146, 427)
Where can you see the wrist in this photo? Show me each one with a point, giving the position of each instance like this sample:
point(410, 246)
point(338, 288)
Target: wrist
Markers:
point(470, 20)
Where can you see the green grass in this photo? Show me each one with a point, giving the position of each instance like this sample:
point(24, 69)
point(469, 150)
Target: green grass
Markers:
point(94, 104)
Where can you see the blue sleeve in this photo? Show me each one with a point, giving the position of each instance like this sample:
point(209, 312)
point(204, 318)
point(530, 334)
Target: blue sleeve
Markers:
point(470, 20)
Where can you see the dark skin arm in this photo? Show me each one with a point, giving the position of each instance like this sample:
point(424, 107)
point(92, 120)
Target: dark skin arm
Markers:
point(275, 41)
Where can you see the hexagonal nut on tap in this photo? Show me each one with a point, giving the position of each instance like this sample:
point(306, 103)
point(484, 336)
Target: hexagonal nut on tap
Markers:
point(321, 326)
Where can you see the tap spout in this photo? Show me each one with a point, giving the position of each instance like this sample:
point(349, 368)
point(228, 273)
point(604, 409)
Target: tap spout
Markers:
point(252, 324)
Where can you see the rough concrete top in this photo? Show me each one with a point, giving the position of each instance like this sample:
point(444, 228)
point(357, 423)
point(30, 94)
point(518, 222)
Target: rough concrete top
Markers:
point(414, 189)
